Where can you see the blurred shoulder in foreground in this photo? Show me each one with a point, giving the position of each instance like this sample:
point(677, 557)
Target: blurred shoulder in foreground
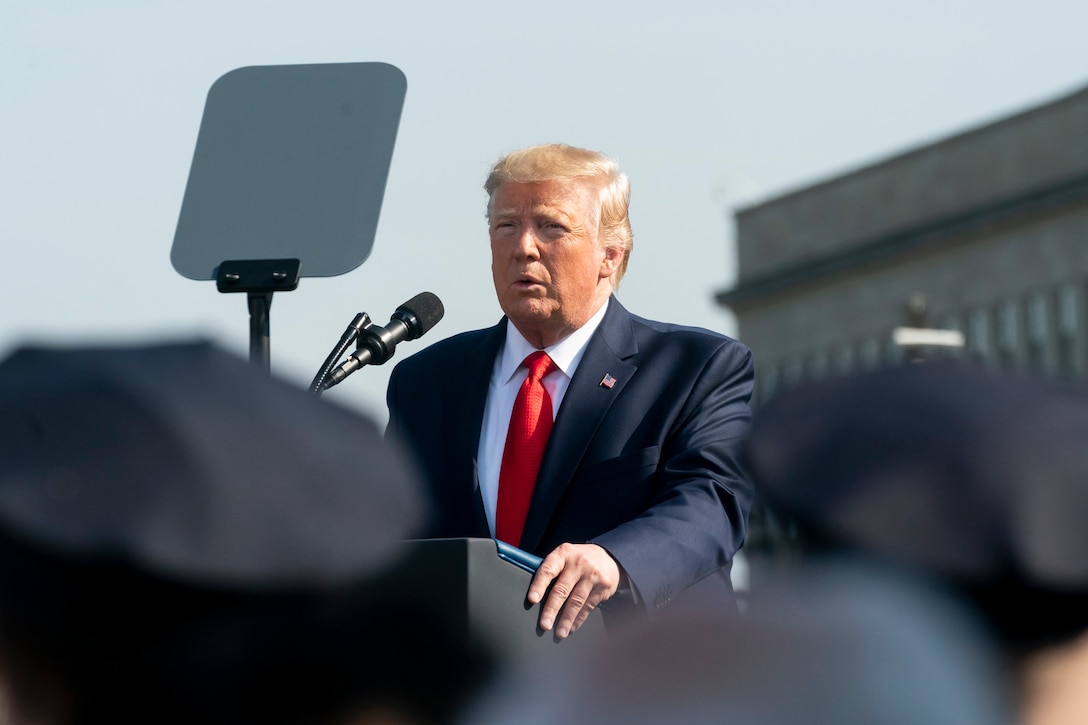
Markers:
point(972, 477)
point(835, 644)
point(185, 538)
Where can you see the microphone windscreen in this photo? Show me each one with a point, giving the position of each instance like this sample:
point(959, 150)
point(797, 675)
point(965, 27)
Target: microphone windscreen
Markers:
point(427, 308)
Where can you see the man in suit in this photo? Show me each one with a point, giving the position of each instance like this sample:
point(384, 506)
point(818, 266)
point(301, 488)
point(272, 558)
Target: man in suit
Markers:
point(639, 490)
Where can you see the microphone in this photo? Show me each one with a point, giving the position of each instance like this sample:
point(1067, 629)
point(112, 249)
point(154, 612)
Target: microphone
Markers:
point(376, 344)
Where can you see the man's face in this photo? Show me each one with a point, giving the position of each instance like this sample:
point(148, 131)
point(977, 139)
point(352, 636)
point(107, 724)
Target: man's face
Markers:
point(551, 273)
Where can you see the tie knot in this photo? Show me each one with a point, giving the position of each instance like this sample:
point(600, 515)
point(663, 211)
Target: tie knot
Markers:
point(539, 364)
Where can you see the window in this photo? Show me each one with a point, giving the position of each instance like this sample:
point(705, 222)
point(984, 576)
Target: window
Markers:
point(766, 383)
point(1067, 320)
point(978, 333)
point(1008, 333)
point(869, 353)
point(843, 359)
point(1037, 325)
point(817, 366)
point(791, 373)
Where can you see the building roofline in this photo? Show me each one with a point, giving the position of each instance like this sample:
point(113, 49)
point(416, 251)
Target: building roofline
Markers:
point(1073, 96)
point(886, 246)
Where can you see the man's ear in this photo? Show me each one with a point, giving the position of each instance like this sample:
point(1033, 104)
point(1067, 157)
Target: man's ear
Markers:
point(611, 262)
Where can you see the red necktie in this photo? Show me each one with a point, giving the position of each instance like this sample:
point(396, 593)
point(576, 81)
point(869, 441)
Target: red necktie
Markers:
point(530, 426)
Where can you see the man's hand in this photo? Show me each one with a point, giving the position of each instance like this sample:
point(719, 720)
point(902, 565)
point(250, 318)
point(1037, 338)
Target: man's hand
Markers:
point(581, 576)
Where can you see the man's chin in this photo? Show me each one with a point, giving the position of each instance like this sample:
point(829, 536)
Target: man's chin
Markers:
point(530, 314)
point(531, 307)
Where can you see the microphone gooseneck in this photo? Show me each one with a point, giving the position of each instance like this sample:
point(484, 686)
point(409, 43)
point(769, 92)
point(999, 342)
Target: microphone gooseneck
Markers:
point(377, 344)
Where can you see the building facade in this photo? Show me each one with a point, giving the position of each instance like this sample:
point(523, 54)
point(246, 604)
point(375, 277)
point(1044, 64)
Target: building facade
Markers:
point(988, 227)
point(984, 233)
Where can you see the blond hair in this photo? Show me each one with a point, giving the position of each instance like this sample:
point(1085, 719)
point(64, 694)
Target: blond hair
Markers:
point(560, 162)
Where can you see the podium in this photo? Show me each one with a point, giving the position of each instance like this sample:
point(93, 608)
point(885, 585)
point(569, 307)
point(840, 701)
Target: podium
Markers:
point(463, 588)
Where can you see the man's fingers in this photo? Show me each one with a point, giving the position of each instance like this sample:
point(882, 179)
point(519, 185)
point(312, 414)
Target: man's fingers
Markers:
point(574, 611)
point(557, 600)
point(548, 570)
point(582, 616)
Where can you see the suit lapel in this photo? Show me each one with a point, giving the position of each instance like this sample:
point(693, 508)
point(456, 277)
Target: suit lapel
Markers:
point(601, 376)
point(467, 399)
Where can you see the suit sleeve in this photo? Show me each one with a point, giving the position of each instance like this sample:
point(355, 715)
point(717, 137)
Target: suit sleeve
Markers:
point(699, 515)
point(393, 429)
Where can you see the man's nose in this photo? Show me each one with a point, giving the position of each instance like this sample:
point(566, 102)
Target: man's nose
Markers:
point(528, 243)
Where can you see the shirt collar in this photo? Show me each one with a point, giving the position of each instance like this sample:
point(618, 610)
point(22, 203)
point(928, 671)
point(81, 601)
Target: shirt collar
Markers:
point(566, 353)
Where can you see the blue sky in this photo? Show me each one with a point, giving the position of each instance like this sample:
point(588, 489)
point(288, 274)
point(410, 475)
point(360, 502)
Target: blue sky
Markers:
point(707, 105)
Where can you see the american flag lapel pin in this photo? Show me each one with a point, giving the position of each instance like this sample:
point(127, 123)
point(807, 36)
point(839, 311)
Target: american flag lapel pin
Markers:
point(607, 381)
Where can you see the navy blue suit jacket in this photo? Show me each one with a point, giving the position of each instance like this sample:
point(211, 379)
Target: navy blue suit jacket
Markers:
point(647, 468)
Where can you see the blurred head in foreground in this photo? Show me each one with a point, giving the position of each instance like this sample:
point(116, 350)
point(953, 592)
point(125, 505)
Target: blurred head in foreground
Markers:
point(974, 478)
point(184, 538)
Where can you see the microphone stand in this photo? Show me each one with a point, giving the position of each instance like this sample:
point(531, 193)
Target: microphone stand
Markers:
point(360, 322)
point(259, 279)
